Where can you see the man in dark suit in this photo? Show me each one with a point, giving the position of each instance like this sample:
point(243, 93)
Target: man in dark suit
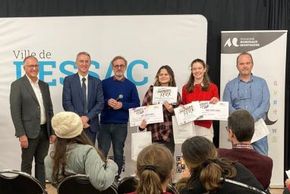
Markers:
point(83, 94)
point(31, 111)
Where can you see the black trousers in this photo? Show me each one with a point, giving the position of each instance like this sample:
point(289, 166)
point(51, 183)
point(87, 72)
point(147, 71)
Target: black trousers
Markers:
point(37, 149)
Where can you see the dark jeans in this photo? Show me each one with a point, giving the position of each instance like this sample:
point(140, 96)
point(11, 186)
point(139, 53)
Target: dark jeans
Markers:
point(37, 148)
point(115, 134)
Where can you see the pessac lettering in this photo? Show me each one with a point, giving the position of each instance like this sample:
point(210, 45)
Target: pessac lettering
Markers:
point(53, 72)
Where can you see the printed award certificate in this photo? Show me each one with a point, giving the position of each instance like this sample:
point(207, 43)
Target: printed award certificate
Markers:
point(187, 113)
point(210, 111)
point(151, 114)
point(162, 94)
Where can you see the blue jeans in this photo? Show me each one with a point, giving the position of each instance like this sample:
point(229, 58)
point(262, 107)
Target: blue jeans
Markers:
point(115, 133)
point(261, 146)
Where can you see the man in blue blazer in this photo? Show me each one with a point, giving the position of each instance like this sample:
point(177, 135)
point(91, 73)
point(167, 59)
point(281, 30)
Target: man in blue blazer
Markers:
point(83, 94)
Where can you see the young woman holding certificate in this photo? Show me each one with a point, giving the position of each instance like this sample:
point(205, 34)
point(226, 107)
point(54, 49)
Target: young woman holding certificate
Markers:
point(162, 132)
point(200, 88)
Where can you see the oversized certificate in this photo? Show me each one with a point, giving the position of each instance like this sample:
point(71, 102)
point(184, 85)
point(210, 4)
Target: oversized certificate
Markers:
point(151, 114)
point(162, 94)
point(261, 130)
point(217, 111)
point(182, 132)
point(187, 113)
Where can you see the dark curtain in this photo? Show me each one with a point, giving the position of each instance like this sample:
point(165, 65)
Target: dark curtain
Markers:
point(221, 15)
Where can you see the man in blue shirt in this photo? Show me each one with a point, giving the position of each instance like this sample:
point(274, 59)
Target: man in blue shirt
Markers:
point(250, 93)
point(120, 94)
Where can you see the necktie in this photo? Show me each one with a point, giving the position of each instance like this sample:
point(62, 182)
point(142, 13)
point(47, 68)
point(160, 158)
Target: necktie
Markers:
point(84, 90)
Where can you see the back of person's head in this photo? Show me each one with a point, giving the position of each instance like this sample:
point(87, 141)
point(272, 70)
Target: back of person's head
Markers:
point(242, 125)
point(67, 125)
point(68, 128)
point(154, 168)
point(200, 156)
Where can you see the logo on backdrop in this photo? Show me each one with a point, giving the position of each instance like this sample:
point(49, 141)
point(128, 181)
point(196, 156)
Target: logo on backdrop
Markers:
point(48, 67)
point(232, 42)
point(248, 41)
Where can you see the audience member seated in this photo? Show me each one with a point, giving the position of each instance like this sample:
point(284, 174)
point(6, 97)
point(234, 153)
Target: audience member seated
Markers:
point(74, 153)
point(240, 132)
point(154, 169)
point(128, 185)
point(210, 174)
point(287, 189)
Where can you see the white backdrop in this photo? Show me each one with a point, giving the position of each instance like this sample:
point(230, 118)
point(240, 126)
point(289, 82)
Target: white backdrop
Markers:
point(146, 41)
point(268, 49)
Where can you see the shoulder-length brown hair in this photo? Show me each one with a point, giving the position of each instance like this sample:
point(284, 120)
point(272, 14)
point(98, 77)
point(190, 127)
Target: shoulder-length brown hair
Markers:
point(200, 156)
point(171, 74)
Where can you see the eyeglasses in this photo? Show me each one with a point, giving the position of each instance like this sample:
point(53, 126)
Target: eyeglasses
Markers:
point(32, 66)
point(119, 66)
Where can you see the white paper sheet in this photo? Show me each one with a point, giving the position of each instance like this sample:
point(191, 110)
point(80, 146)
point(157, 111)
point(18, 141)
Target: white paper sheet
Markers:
point(210, 111)
point(162, 94)
point(139, 140)
point(151, 114)
point(182, 132)
point(261, 130)
point(187, 113)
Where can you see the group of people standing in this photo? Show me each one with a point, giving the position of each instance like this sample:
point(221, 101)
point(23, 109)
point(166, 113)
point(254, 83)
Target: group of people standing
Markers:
point(88, 97)
point(83, 94)
point(112, 97)
point(198, 88)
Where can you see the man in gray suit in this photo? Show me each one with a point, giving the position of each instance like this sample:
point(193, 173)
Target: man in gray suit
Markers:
point(31, 111)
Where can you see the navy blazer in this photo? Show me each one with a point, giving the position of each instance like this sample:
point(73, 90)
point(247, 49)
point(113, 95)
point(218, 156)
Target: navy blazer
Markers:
point(72, 98)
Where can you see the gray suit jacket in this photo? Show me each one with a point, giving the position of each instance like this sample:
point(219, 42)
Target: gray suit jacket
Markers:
point(25, 109)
